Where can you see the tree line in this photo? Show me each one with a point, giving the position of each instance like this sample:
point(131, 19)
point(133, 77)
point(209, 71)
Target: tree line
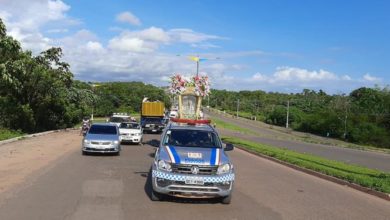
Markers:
point(363, 116)
point(39, 93)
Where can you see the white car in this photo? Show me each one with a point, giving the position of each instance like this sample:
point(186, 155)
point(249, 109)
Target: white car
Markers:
point(117, 119)
point(173, 114)
point(131, 132)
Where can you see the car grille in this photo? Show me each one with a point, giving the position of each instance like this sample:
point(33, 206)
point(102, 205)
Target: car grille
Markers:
point(186, 169)
point(101, 143)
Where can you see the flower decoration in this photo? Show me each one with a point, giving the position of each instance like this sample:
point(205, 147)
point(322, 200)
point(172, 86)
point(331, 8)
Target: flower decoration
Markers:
point(178, 84)
point(202, 86)
point(200, 83)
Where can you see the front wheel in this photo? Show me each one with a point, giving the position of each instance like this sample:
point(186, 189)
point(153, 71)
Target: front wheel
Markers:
point(155, 196)
point(227, 199)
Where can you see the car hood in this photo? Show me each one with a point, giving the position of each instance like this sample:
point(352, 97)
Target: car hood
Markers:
point(129, 130)
point(193, 155)
point(101, 137)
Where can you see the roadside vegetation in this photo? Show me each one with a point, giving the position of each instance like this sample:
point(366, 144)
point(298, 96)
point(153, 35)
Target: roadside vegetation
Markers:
point(361, 117)
point(39, 92)
point(8, 134)
point(307, 138)
point(366, 177)
point(229, 126)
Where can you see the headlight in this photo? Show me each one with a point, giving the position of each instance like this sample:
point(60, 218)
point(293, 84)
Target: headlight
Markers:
point(162, 165)
point(86, 141)
point(225, 168)
point(115, 142)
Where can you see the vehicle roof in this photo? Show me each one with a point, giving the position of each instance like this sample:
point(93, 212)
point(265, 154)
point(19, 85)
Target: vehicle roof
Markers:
point(185, 126)
point(104, 124)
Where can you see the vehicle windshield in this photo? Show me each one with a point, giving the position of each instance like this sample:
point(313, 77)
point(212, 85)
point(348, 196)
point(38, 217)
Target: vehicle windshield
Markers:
point(192, 138)
point(153, 120)
point(118, 119)
point(129, 125)
point(102, 129)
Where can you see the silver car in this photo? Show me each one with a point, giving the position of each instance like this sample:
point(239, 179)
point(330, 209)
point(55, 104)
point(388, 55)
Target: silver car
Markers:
point(191, 162)
point(102, 138)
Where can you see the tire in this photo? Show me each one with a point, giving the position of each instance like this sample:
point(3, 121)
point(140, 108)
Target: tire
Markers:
point(155, 196)
point(84, 153)
point(227, 199)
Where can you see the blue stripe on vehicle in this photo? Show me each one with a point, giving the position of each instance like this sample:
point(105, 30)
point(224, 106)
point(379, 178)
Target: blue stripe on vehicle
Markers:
point(213, 156)
point(175, 155)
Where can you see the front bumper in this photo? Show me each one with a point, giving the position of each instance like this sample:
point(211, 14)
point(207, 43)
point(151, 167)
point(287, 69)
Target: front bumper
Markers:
point(131, 139)
point(90, 148)
point(175, 184)
point(153, 128)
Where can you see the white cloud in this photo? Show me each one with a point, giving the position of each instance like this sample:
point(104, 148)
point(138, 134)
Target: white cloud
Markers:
point(25, 20)
point(291, 73)
point(57, 30)
point(190, 36)
point(128, 17)
point(95, 46)
point(346, 77)
point(293, 79)
point(370, 78)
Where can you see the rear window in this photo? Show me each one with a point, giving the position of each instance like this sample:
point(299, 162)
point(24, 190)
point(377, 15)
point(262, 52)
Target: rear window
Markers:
point(153, 120)
point(129, 125)
point(191, 138)
point(119, 119)
point(102, 129)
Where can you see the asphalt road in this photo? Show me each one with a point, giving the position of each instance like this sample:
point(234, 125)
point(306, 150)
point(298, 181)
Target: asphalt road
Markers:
point(374, 160)
point(117, 187)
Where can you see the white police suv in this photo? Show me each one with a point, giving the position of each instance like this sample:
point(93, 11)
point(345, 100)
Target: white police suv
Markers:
point(191, 162)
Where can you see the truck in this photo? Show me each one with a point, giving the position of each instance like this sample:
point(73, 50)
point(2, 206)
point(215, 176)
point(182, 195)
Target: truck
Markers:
point(152, 116)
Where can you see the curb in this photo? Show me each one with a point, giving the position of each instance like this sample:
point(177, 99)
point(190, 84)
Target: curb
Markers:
point(373, 192)
point(33, 135)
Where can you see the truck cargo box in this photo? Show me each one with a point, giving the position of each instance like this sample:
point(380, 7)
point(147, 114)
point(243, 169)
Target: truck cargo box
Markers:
point(155, 109)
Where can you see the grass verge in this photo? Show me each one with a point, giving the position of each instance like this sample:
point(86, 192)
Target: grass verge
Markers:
point(366, 177)
point(7, 134)
point(229, 126)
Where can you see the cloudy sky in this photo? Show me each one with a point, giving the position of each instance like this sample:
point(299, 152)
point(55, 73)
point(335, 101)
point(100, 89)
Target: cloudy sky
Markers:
point(281, 46)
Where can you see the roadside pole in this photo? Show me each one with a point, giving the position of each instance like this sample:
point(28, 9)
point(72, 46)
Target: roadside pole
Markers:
point(238, 106)
point(288, 112)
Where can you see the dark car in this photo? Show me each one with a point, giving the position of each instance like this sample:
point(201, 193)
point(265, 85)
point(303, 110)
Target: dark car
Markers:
point(153, 124)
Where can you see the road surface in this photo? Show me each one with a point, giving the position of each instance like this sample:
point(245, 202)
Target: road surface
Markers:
point(117, 187)
point(374, 160)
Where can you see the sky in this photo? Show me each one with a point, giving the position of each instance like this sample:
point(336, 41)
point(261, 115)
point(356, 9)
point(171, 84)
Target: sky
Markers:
point(276, 46)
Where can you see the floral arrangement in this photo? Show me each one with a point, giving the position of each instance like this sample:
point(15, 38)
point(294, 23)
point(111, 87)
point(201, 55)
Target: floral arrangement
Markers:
point(179, 85)
point(202, 86)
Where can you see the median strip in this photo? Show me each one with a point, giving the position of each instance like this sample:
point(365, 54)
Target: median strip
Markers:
point(364, 179)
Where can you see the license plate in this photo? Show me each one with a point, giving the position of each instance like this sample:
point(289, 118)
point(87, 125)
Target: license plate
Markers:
point(154, 130)
point(194, 181)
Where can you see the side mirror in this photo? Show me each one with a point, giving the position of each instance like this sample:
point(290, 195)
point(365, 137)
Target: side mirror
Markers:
point(229, 147)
